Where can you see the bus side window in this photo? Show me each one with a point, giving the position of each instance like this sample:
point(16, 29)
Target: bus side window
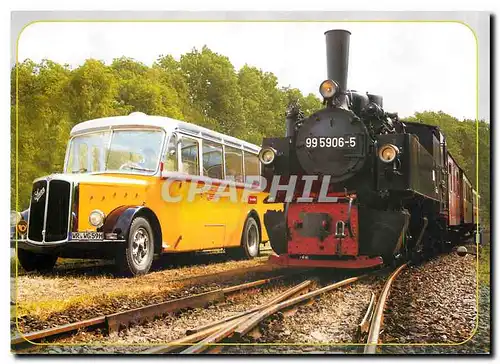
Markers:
point(189, 156)
point(252, 166)
point(234, 164)
point(171, 154)
point(212, 159)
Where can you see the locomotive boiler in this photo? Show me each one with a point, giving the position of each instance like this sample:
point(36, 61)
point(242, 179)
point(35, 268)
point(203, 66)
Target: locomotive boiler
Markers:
point(359, 187)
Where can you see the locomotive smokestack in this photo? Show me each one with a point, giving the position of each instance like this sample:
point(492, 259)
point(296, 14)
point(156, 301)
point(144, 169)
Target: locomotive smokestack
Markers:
point(337, 56)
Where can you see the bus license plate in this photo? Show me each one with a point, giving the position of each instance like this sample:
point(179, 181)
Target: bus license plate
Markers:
point(87, 235)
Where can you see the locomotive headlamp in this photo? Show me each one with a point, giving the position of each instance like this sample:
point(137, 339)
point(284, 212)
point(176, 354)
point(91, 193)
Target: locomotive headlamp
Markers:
point(15, 217)
point(328, 89)
point(267, 155)
point(96, 218)
point(388, 153)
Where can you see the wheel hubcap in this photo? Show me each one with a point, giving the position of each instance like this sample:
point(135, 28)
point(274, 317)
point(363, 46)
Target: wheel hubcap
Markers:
point(140, 243)
point(253, 240)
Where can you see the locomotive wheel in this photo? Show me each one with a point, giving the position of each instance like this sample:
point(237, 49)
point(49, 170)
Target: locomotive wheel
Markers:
point(40, 262)
point(250, 242)
point(137, 257)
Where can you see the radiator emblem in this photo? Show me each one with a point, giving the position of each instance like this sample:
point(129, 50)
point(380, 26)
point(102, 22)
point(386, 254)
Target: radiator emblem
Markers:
point(37, 195)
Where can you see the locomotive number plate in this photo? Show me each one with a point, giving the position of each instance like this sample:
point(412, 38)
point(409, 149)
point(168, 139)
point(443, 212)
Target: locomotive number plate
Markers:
point(87, 235)
point(331, 142)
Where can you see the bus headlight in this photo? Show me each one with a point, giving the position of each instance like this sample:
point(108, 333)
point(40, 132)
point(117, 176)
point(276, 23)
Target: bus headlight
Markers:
point(96, 218)
point(267, 155)
point(15, 217)
point(388, 153)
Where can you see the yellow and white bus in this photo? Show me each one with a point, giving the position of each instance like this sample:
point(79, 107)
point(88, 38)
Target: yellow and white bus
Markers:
point(137, 186)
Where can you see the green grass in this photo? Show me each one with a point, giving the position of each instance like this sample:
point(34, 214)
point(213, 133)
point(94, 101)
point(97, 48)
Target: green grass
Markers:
point(484, 264)
point(13, 262)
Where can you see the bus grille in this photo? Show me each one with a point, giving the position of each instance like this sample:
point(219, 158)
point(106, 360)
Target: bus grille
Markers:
point(49, 211)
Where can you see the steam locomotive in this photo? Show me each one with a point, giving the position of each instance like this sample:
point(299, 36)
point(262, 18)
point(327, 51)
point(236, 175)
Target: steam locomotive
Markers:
point(360, 187)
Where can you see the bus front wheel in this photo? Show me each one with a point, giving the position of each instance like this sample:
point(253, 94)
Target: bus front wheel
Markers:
point(137, 256)
point(250, 242)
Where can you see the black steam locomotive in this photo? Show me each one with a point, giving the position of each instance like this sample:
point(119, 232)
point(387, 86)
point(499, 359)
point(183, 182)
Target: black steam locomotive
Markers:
point(359, 186)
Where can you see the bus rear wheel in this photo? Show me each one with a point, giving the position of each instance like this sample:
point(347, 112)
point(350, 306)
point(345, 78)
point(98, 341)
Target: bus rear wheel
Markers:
point(250, 242)
point(137, 256)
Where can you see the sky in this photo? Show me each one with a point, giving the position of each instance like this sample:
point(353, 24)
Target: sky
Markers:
point(414, 66)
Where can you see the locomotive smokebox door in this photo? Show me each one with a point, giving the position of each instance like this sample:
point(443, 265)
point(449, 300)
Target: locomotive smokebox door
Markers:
point(332, 143)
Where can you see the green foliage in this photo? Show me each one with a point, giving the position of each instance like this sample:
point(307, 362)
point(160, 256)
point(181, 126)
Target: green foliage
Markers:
point(203, 87)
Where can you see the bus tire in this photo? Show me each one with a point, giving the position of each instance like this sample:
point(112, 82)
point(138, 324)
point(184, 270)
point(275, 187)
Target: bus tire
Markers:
point(40, 262)
point(250, 241)
point(137, 255)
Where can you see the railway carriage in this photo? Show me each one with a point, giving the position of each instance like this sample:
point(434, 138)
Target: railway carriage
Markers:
point(359, 186)
point(137, 186)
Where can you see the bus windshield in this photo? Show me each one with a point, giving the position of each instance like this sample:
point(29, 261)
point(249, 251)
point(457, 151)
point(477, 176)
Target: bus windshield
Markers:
point(136, 151)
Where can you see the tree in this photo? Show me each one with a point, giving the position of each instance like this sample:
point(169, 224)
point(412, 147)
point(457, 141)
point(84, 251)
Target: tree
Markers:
point(43, 123)
point(214, 90)
point(92, 89)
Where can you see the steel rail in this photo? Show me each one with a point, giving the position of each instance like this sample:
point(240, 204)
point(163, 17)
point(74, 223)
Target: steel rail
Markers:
point(116, 321)
point(207, 331)
point(364, 325)
point(287, 294)
point(243, 323)
point(19, 340)
point(254, 320)
point(378, 315)
point(230, 328)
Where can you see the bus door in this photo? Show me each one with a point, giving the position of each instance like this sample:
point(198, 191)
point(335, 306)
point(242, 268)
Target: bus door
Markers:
point(212, 211)
point(192, 206)
point(235, 210)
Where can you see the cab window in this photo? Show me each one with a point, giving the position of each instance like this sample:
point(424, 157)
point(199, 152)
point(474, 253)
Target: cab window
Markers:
point(212, 160)
point(189, 156)
point(234, 164)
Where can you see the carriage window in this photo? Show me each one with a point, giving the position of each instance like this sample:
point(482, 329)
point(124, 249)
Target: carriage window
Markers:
point(252, 167)
point(189, 156)
point(171, 154)
point(234, 164)
point(212, 160)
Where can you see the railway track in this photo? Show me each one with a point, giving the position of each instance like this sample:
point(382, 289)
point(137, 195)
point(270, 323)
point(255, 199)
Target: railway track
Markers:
point(377, 314)
point(120, 320)
point(206, 338)
point(211, 337)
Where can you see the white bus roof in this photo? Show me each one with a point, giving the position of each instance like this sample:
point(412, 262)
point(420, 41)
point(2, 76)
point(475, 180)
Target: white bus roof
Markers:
point(139, 119)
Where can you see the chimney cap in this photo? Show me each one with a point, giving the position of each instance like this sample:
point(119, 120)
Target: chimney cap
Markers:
point(337, 30)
